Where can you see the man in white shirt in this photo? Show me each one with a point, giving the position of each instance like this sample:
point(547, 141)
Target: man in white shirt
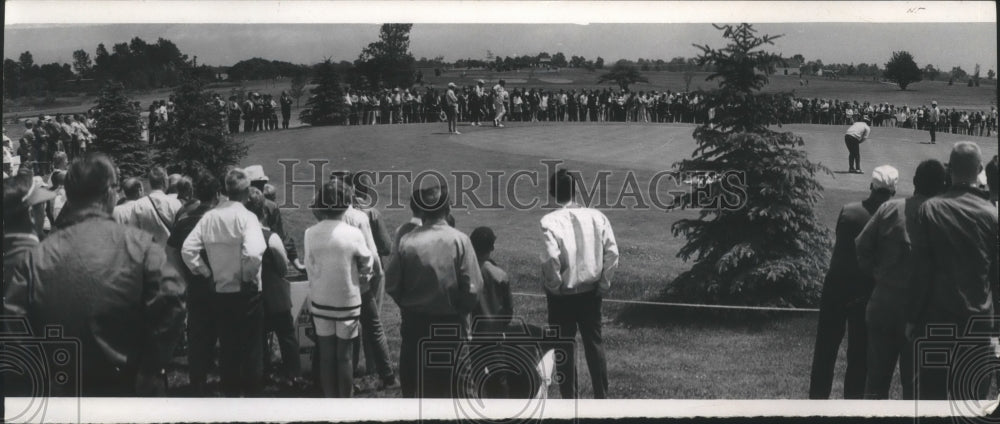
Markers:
point(580, 258)
point(155, 212)
point(451, 109)
point(124, 213)
point(856, 134)
point(499, 98)
point(233, 245)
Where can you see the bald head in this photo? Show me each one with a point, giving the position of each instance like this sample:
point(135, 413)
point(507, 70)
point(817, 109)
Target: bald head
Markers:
point(132, 188)
point(965, 163)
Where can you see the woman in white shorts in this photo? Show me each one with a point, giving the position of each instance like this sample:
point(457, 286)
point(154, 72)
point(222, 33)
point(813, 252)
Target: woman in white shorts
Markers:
point(337, 260)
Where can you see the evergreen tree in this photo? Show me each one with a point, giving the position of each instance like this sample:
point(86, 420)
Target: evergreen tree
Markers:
point(195, 136)
point(119, 131)
point(326, 102)
point(770, 250)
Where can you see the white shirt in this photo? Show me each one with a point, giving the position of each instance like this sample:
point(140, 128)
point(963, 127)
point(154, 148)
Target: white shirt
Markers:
point(359, 219)
point(234, 243)
point(142, 215)
point(580, 251)
point(859, 130)
point(337, 260)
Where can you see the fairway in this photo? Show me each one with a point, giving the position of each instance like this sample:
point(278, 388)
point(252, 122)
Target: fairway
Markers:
point(669, 360)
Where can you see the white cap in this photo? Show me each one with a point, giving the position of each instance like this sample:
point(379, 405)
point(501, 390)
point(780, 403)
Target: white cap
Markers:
point(885, 177)
point(255, 173)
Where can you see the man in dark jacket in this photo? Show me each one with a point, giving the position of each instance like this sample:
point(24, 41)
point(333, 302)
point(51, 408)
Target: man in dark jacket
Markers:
point(105, 284)
point(955, 276)
point(845, 295)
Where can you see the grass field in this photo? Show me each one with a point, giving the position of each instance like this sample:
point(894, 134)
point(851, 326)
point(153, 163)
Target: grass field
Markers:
point(755, 359)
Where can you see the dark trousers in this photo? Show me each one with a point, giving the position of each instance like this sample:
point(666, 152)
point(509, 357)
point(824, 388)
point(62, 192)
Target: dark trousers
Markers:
point(416, 377)
point(932, 127)
point(452, 113)
point(887, 345)
point(239, 324)
point(202, 337)
point(834, 316)
point(373, 338)
point(283, 326)
point(853, 152)
point(234, 126)
point(247, 125)
point(582, 312)
point(286, 115)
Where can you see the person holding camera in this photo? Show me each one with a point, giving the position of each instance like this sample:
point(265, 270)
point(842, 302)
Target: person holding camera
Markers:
point(955, 270)
point(435, 279)
point(580, 258)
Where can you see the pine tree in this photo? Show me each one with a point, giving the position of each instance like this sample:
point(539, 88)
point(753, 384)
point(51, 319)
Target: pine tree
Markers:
point(195, 137)
point(119, 132)
point(771, 250)
point(326, 102)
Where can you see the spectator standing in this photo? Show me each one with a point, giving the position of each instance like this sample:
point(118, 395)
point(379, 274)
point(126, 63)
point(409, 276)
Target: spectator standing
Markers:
point(955, 258)
point(884, 251)
point(337, 259)
point(580, 258)
point(286, 109)
point(845, 293)
point(201, 322)
point(128, 316)
point(20, 195)
point(435, 279)
point(276, 294)
point(155, 213)
point(233, 241)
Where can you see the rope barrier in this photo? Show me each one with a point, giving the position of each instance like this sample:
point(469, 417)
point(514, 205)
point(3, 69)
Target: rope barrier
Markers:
point(692, 305)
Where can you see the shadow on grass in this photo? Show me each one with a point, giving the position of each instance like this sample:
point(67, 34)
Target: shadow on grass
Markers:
point(670, 316)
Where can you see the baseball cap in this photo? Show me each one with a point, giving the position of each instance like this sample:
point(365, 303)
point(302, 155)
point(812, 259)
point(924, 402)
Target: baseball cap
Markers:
point(255, 173)
point(885, 177)
point(934, 103)
point(451, 84)
point(481, 82)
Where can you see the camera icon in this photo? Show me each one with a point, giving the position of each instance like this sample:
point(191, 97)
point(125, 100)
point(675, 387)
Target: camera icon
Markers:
point(36, 368)
point(501, 374)
point(958, 365)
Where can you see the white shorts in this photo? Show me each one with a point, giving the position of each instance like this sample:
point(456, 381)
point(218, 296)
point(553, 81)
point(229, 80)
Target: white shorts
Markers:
point(343, 329)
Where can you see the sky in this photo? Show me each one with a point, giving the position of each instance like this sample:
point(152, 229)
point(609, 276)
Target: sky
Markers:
point(943, 44)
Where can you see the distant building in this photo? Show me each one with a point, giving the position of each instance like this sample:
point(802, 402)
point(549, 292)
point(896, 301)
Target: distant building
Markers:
point(789, 67)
